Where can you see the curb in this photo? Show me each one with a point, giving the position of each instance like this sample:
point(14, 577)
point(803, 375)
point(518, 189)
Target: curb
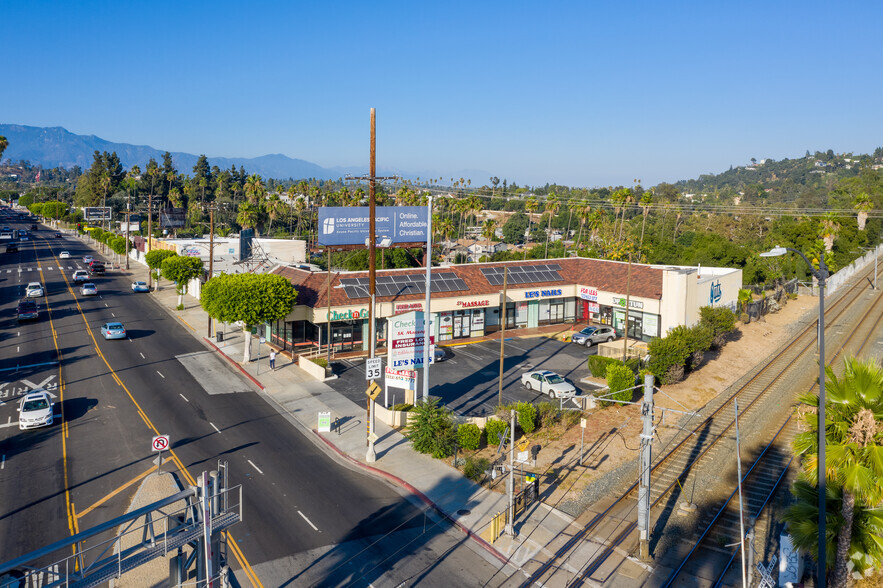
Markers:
point(425, 499)
point(234, 362)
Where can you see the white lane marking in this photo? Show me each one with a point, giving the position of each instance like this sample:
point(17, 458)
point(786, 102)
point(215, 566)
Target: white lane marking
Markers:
point(113, 315)
point(160, 374)
point(3, 462)
point(309, 522)
point(257, 468)
point(18, 334)
point(184, 397)
point(218, 430)
point(142, 355)
point(18, 349)
point(105, 304)
point(10, 424)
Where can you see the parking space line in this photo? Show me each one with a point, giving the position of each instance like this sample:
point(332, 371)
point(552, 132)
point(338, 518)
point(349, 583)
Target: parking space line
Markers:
point(184, 397)
point(256, 467)
point(214, 427)
point(160, 374)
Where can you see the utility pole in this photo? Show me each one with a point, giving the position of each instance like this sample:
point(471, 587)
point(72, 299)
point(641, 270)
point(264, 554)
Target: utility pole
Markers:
point(739, 481)
point(149, 233)
point(628, 291)
point(503, 335)
point(127, 234)
point(211, 253)
point(644, 481)
point(372, 268)
point(510, 523)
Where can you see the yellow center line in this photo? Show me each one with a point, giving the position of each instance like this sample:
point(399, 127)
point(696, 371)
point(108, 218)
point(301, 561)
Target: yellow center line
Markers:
point(115, 492)
point(237, 552)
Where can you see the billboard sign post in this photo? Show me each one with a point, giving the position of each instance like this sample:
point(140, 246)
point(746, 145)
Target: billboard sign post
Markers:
point(406, 342)
point(96, 213)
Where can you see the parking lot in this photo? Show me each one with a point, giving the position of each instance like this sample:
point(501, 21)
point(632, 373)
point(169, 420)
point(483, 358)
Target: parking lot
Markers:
point(467, 380)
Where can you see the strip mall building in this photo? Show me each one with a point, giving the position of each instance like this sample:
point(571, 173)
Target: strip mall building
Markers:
point(467, 300)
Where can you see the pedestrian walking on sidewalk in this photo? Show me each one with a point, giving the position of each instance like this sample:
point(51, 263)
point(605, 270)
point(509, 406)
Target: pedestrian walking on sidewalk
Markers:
point(272, 359)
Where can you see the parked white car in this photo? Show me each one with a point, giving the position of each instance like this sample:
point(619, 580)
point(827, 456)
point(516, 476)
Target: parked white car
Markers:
point(34, 290)
point(548, 383)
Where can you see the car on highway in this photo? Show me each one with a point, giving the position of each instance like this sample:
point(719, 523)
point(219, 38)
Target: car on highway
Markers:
point(7, 229)
point(12, 248)
point(64, 255)
point(81, 276)
point(33, 227)
point(96, 267)
point(34, 290)
point(89, 289)
point(548, 383)
point(591, 335)
point(27, 310)
point(113, 331)
point(58, 235)
point(35, 410)
point(87, 259)
point(140, 287)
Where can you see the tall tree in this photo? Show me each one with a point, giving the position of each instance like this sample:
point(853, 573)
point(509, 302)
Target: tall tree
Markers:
point(854, 448)
point(4, 143)
point(552, 206)
point(488, 231)
point(531, 205)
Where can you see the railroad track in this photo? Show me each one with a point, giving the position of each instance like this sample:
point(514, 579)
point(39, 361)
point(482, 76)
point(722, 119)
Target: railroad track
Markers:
point(669, 470)
point(763, 477)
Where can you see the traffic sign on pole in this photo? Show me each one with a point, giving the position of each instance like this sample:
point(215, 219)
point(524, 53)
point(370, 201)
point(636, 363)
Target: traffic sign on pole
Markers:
point(160, 443)
point(373, 368)
point(373, 390)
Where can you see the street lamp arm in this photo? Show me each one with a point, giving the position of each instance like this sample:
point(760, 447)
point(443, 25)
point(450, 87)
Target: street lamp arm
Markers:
point(820, 274)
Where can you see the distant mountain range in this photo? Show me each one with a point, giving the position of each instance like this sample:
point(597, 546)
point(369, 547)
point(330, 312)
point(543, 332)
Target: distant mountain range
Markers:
point(57, 147)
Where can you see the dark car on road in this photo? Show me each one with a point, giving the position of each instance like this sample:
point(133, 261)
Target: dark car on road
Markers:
point(27, 311)
point(96, 267)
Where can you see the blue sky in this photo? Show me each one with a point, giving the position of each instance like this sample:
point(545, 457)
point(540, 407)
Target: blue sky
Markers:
point(578, 93)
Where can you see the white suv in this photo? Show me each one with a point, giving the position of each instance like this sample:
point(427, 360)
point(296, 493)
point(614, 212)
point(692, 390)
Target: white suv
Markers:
point(81, 276)
point(34, 290)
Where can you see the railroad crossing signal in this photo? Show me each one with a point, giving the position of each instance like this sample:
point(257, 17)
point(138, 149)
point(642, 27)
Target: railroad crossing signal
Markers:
point(373, 390)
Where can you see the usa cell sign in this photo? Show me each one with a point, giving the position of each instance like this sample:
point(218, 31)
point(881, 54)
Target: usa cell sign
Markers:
point(349, 225)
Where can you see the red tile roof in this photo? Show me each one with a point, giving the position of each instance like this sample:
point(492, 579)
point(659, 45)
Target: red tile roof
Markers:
point(610, 276)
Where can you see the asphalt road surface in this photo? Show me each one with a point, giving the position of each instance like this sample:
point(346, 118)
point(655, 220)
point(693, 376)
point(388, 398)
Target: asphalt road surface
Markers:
point(307, 519)
point(467, 381)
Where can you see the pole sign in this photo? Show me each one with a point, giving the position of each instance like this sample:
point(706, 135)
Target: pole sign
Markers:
point(160, 443)
point(349, 225)
point(96, 213)
point(406, 341)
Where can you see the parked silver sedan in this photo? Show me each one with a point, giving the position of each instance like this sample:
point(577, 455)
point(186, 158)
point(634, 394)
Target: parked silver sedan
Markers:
point(548, 383)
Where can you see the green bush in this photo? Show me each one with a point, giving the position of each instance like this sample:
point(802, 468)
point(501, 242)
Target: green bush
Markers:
point(722, 322)
point(475, 469)
point(665, 353)
point(527, 416)
point(633, 363)
point(179, 307)
point(403, 407)
point(493, 429)
point(469, 436)
point(320, 361)
point(620, 381)
point(571, 418)
point(598, 365)
point(431, 429)
point(697, 340)
point(547, 414)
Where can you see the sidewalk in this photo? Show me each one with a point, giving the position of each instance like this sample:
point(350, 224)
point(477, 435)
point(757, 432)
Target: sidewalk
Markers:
point(299, 398)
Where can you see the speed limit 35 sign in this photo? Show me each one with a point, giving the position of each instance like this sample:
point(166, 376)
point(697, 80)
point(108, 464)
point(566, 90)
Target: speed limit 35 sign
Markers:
point(160, 443)
point(373, 368)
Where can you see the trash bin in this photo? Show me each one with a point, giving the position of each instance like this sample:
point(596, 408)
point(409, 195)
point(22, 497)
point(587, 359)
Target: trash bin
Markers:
point(220, 336)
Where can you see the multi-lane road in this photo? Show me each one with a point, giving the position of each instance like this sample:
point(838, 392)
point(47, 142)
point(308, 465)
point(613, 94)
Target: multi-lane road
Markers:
point(309, 520)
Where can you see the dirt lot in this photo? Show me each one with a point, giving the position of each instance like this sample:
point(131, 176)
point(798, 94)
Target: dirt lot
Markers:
point(612, 433)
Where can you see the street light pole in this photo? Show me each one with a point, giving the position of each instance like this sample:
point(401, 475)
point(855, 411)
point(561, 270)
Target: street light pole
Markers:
point(821, 275)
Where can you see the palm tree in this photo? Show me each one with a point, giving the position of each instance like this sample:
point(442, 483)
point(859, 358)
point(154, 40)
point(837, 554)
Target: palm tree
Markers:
point(254, 189)
point(585, 209)
point(4, 143)
point(488, 231)
point(645, 203)
point(862, 205)
point(552, 206)
point(830, 230)
point(274, 207)
point(531, 206)
point(628, 198)
point(248, 216)
point(854, 455)
point(573, 206)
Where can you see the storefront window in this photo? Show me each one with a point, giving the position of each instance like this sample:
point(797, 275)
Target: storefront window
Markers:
point(570, 310)
point(544, 307)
